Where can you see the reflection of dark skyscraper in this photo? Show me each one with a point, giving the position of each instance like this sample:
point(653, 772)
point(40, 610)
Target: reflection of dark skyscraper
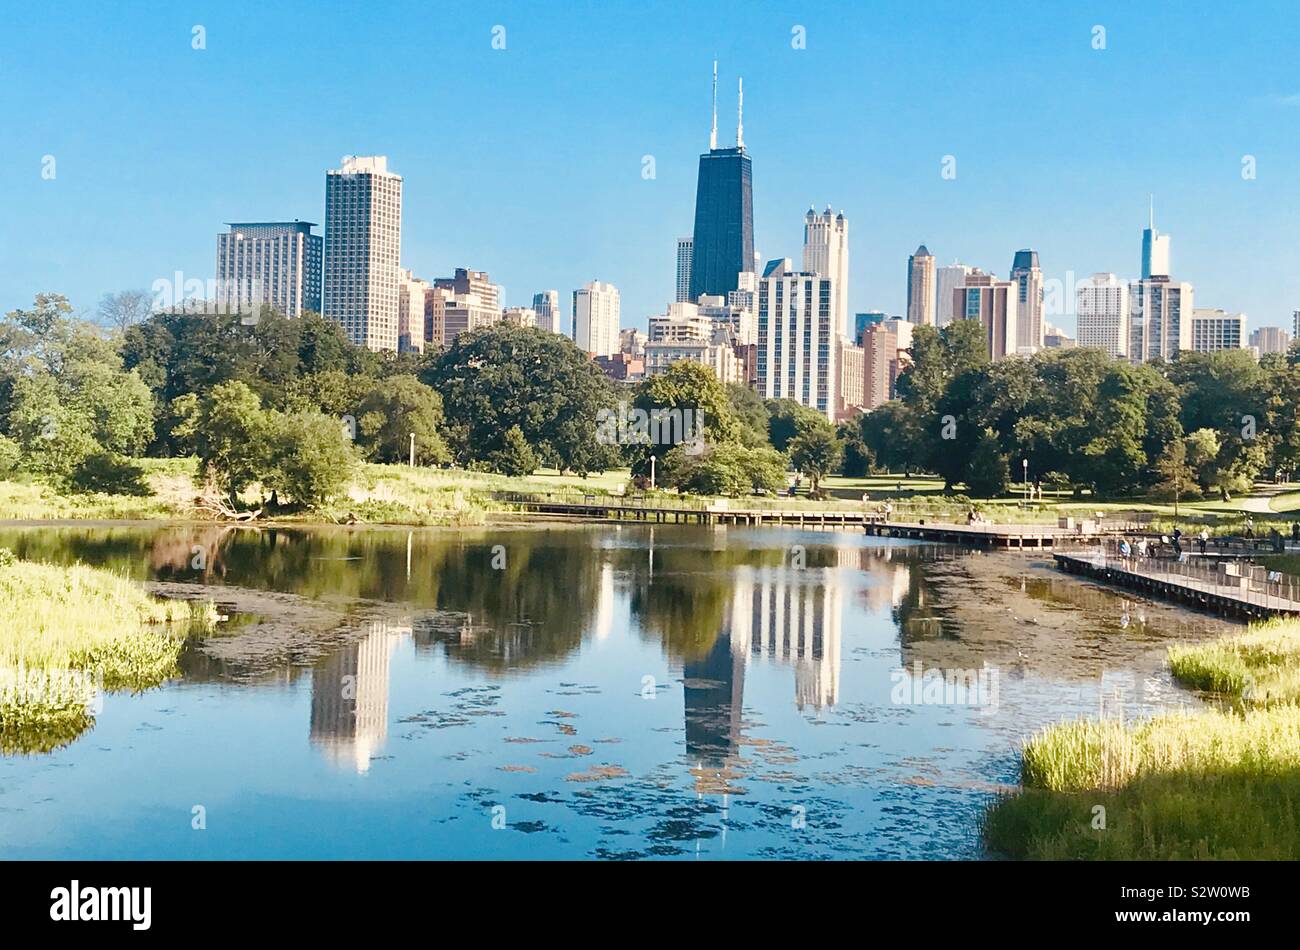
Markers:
point(723, 243)
point(714, 695)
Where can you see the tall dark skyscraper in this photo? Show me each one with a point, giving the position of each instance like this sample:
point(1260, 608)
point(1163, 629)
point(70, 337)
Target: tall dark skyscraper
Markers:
point(723, 243)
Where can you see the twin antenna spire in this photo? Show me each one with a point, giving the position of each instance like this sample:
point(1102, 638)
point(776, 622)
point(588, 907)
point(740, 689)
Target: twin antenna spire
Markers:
point(740, 112)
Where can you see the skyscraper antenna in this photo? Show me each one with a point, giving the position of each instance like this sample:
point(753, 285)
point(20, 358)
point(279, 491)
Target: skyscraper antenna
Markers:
point(740, 115)
point(713, 135)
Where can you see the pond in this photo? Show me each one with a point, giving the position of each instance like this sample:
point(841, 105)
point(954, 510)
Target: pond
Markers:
point(579, 691)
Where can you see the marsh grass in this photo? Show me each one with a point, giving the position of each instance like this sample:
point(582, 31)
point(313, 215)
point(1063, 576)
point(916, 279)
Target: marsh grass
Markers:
point(1260, 667)
point(56, 621)
point(1219, 783)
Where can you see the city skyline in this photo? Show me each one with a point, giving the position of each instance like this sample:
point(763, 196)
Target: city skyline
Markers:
point(1080, 200)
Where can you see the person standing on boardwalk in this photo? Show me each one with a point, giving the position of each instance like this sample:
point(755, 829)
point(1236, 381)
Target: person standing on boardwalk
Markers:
point(1202, 539)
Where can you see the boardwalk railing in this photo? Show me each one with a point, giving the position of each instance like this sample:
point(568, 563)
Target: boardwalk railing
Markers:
point(901, 511)
point(1247, 583)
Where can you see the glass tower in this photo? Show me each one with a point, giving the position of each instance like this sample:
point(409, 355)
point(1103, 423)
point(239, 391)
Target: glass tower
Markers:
point(723, 243)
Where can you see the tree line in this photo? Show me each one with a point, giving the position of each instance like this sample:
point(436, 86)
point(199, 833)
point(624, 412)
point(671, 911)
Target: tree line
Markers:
point(289, 406)
point(1084, 421)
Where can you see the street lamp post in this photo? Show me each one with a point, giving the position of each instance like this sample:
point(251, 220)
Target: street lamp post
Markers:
point(1024, 463)
point(652, 473)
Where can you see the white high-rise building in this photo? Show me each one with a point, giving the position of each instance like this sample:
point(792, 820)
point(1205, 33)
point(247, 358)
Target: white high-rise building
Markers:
point(1028, 278)
point(547, 306)
point(826, 254)
point(1214, 330)
point(739, 319)
point(1270, 340)
point(363, 250)
point(411, 312)
point(685, 248)
point(797, 338)
point(920, 288)
point(949, 278)
point(272, 262)
point(1160, 319)
point(596, 318)
point(1101, 305)
point(1155, 249)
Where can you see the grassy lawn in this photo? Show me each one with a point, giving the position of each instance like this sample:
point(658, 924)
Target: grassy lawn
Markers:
point(1223, 783)
point(58, 622)
point(396, 494)
point(379, 493)
point(1285, 502)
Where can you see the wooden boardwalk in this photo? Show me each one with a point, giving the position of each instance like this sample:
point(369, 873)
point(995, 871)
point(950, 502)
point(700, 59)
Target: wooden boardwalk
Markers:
point(1254, 594)
point(614, 508)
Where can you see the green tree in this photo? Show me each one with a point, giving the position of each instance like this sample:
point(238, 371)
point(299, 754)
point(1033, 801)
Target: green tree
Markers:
point(727, 469)
point(54, 439)
point(786, 419)
point(816, 452)
point(687, 386)
point(394, 410)
point(1202, 455)
point(886, 431)
point(752, 413)
point(503, 376)
point(309, 460)
point(515, 457)
point(857, 457)
point(112, 474)
point(10, 454)
point(232, 435)
point(987, 476)
point(938, 356)
point(684, 403)
point(1177, 477)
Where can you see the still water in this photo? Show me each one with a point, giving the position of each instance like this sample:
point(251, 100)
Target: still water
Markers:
point(579, 692)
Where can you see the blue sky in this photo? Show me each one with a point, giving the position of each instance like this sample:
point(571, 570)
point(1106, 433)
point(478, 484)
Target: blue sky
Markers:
point(527, 162)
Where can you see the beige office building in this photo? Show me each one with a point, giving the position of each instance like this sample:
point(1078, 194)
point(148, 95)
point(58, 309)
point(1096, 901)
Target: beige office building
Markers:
point(948, 279)
point(363, 250)
point(852, 389)
point(884, 356)
point(1270, 340)
point(1160, 319)
point(826, 254)
point(1101, 308)
point(411, 312)
point(920, 288)
point(1214, 330)
point(993, 303)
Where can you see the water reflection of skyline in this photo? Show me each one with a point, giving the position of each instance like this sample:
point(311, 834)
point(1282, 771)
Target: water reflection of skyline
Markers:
point(349, 697)
point(720, 605)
